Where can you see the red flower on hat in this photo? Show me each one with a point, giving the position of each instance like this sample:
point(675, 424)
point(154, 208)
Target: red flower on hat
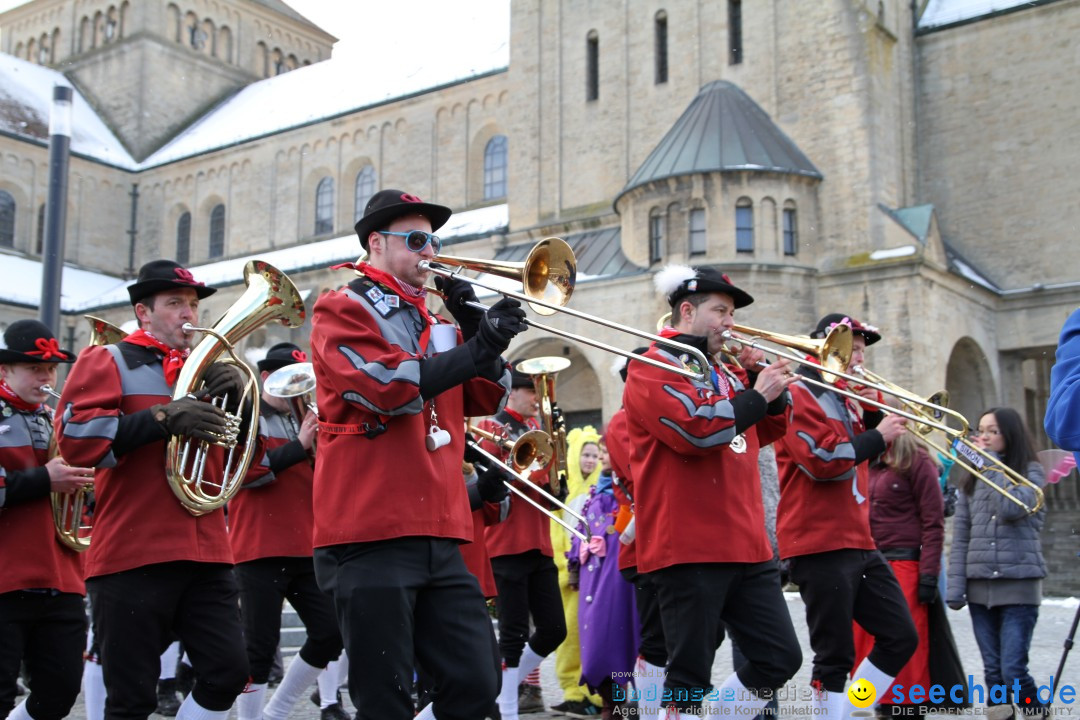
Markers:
point(406, 197)
point(186, 277)
point(47, 348)
point(299, 356)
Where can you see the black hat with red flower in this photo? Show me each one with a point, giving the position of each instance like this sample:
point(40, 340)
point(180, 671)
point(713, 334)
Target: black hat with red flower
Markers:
point(158, 275)
point(869, 333)
point(280, 355)
point(29, 341)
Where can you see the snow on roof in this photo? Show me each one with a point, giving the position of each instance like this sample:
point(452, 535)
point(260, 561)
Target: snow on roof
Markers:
point(84, 290)
point(26, 93)
point(902, 251)
point(947, 12)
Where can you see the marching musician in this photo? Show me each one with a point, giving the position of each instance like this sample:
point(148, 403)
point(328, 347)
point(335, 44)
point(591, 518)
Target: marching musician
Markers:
point(700, 527)
point(823, 530)
point(154, 570)
point(270, 528)
point(521, 559)
point(390, 504)
point(42, 620)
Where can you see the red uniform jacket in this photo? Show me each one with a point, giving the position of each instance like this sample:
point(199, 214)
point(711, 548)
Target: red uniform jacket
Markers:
point(475, 553)
point(31, 556)
point(525, 528)
point(617, 441)
point(271, 516)
point(386, 484)
point(823, 475)
point(696, 498)
point(137, 518)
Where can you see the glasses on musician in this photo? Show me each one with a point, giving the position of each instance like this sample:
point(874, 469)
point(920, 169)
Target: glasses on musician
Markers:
point(417, 240)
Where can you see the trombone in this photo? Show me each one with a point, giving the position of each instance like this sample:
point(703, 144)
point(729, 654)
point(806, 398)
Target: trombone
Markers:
point(524, 496)
point(550, 273)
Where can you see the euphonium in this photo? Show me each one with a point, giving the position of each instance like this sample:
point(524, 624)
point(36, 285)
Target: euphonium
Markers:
point(543, 371)
point(270, 296)
point(296, 384)
point(531, 447)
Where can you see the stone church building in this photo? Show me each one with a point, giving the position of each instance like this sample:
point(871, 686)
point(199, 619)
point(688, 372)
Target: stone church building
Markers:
point(910, 162)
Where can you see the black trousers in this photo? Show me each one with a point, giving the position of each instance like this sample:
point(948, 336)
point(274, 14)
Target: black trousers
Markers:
point(653, 646)
point(47, 629)
point(844, 585)
point(264, 585)
point(138, 612)
point(405, 600)
point(697, 602)
point(528, 584)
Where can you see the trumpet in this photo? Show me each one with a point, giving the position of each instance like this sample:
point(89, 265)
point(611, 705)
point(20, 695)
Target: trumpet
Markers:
point(531, 447)
point(49, 390)
point(524, 496)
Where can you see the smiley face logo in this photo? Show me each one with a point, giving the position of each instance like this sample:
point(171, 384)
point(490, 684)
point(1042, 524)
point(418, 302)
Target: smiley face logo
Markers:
point(861, 693)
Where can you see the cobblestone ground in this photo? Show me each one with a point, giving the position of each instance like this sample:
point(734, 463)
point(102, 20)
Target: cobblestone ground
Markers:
point(1055, 620)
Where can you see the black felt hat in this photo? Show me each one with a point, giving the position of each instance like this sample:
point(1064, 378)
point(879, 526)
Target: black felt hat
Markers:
point(280, 355)
point(29, 341)
point(386, 206)
point(158, 275)
point(869, 332)
point(520, 379)
point(678, 281)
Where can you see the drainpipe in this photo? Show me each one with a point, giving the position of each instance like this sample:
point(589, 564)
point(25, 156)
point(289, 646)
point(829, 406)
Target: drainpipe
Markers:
point(132, 231)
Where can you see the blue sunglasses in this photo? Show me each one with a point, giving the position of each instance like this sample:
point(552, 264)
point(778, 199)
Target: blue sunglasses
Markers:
point(417, 240)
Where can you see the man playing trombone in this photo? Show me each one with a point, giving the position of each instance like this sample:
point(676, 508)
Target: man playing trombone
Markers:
point(390, 506)
point(823, 529)
point(700, 524)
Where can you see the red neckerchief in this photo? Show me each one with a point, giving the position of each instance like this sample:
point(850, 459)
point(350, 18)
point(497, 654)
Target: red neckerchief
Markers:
point(9, 396)
point(173, 359)
point(417, 297)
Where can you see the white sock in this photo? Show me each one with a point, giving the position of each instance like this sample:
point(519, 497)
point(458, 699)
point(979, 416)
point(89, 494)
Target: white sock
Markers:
point(93, 684)
point(428, 713)
point(826, 705)
point(742, 702)
point(191, 710)
point(649, 684)
point(669, 713)
point(877, 677)
point(508, 694)
point(529, 662)
point(299, 676)
point(249, 704)
point(168, 661)
point(329, 681)
point(20, 713)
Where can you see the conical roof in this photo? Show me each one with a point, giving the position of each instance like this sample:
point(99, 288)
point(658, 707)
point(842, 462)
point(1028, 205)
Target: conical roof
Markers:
point(722, 130)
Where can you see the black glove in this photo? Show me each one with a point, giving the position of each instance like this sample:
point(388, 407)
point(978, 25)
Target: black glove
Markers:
point(223, 379)
point(500, 325)
point(927, 589)
point(458, 293)
point(472, 455)
point(192, 418)
point(491, 485)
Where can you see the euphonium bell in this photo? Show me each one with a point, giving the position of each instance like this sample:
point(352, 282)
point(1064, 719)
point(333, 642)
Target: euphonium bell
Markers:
point(295, 384)
point(543, 371)
point(103, 332)
point(531, 447)
point(270, 296)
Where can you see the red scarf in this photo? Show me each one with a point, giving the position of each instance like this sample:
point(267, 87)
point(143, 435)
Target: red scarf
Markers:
point(8, 395)
point(417, 297)
point(173, 359)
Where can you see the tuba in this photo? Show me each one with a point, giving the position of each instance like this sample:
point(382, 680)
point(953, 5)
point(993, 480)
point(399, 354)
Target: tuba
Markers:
point(270, 296)
point(543, 371)
point(67, 509)
point(296, 384)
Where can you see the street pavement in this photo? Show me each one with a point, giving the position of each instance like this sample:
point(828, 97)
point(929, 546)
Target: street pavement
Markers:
point(1055, 621)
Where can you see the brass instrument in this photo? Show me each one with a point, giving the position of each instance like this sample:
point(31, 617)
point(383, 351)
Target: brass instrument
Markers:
point(531, 447)
point(270, 296)
point(544, 371)
point(524, 496)
point(296, 384)
point(552, 263)
point(103, 332)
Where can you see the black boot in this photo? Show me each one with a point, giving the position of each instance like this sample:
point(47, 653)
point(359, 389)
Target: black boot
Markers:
point(185, 678)
point(168, 701)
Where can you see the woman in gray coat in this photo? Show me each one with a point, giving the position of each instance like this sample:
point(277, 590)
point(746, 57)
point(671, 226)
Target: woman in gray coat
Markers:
point(996, 564)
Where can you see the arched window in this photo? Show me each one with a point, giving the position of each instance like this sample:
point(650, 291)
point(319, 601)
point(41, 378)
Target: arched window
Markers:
point(7, 220)
point(791, 230)
point(495, 168)
point(744, 226)
point(365, 188)
point(40, 244)
point(217, 231)
point(656, 237)
point(697, 242)
point(112, 26)
point(734, 18)
point(324, 206)
point(43, 57)
point(660, 47)
point(592, 66)
point(86, 37)
point(183, 239)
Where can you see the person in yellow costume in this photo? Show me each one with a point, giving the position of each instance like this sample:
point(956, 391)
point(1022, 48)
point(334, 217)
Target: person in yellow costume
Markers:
point(582, 472)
